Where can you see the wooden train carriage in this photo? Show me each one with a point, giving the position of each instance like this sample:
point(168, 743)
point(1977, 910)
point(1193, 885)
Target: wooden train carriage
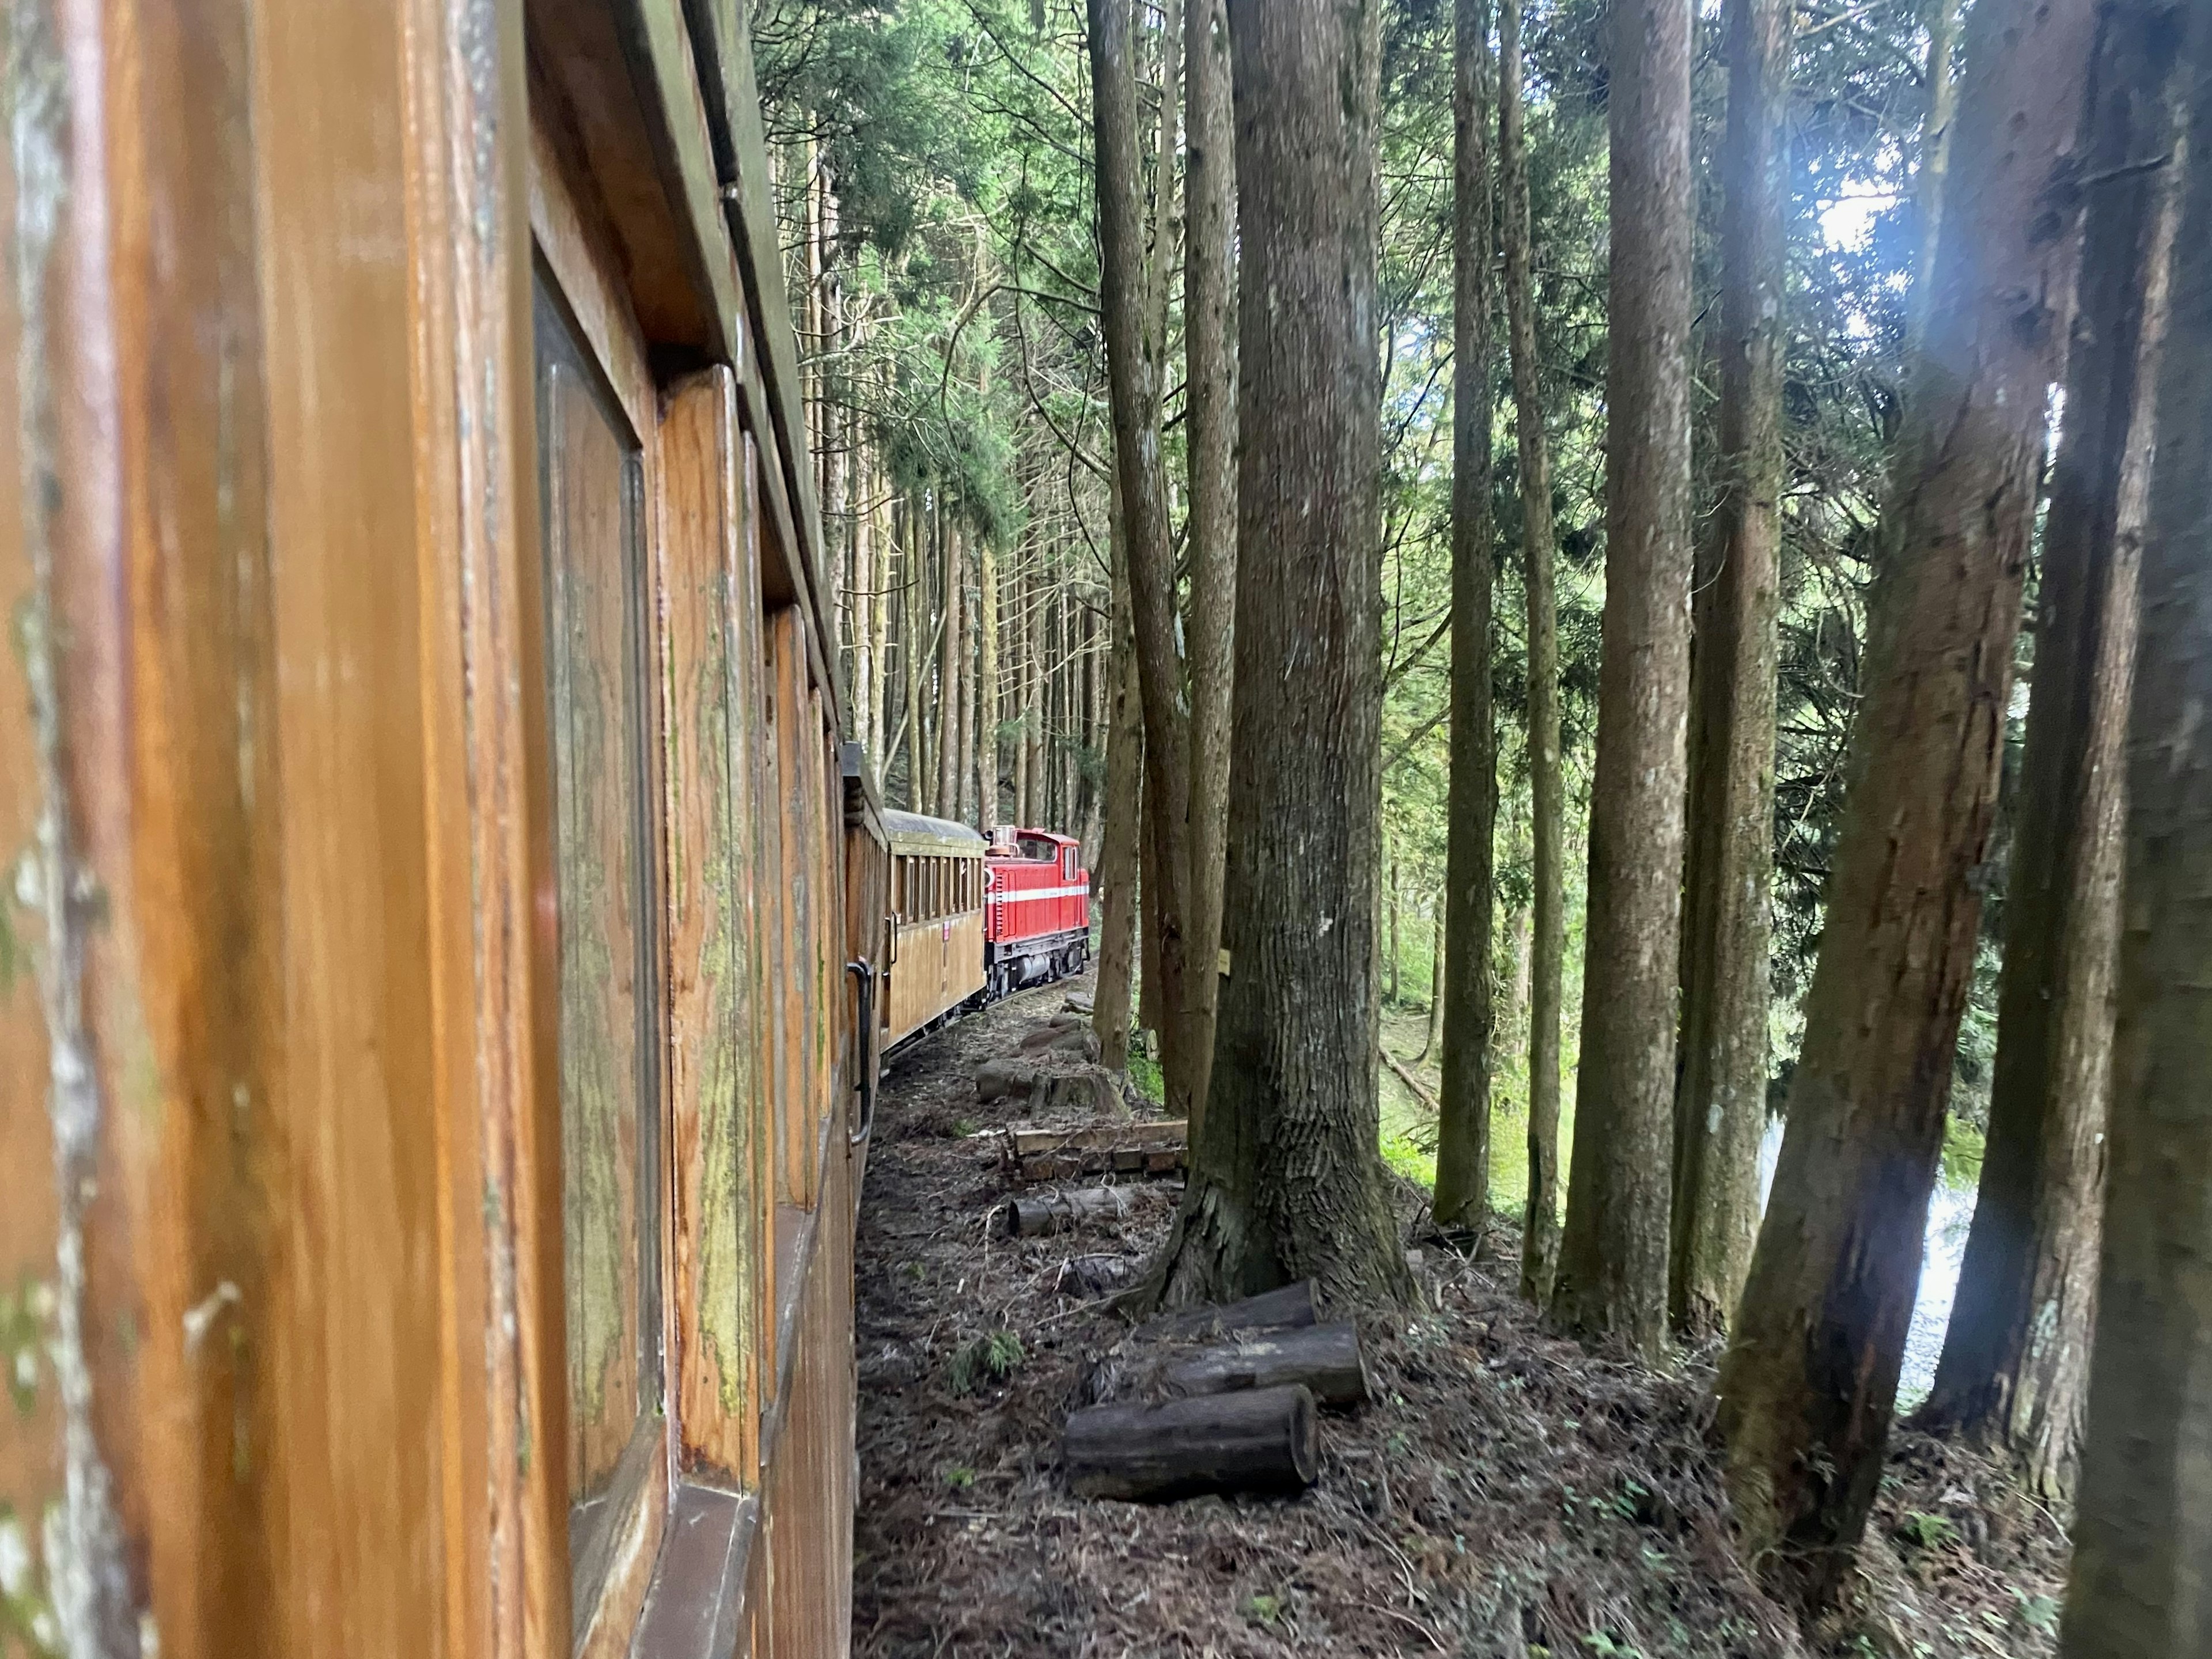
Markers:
point(432, 869)
point(936, 927)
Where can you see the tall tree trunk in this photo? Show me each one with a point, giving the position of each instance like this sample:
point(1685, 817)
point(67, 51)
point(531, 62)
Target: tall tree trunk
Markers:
point(948, 667)
point(910, 653)
point(1390, 911)
point(986, 686)
point(1613, 1256)
point(1935, 118)
point(864, 600)
point(971, 726)
point(1436, 978)
point(1117, 854)
point(2015, 1359)
point(1033, 750)
point(1135, 363)
point(1808, 1388)
point(1462, 1191)
point(1720, 1101)
point(1540, 1236)
point(933, 707)
point(2142, 1532)
point(1210, 627)
point(1287, 1180)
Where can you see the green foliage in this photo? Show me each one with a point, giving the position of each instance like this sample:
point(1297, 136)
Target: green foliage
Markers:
point(1929, 1531)
point(991, 1358)
point(1144, 1072)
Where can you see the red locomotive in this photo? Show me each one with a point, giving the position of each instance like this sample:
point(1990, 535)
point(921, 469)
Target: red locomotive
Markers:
point(972, 920)
point(1037, 908)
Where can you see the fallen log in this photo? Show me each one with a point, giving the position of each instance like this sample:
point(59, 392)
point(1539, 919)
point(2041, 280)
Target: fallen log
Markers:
point(1325, 1358)
point(1260, 1440)
point(1061, 1212)
point(1277, 1309)
point(1420, 1090)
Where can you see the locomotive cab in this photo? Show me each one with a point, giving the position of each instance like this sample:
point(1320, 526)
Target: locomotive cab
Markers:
point(1036, 914)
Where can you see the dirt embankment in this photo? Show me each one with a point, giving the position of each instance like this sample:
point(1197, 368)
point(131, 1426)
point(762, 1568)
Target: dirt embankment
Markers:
point(1506, 1493)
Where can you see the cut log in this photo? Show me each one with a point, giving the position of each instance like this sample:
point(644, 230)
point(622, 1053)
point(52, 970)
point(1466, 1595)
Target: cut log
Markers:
point(1278, 1309)
point(1067, 1020)
point(1325, 1358)
point(1260, 1440)
point(1061, 1212)
point(995, 1079)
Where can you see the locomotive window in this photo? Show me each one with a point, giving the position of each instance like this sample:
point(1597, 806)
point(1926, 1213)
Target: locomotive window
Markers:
point(591, 485)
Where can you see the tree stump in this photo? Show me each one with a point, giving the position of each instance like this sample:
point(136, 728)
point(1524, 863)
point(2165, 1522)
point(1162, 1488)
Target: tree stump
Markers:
point(1261, 1440)
point(995, 1079)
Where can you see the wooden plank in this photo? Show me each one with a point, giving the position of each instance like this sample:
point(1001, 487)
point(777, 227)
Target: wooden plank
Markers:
point(504, 1555)
point(715, 1047)
point(572, 237)
point(794, 983)
point(1023, 1141)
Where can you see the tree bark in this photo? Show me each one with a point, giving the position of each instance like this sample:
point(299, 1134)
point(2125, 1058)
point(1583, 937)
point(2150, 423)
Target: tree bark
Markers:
point(1210, 627)
point(1808, 1388)
point(1462, 1191)
point(1117, 854)
point(1539, 1234)
point(1286, 1179)
point(949, 674)
point(1720, 1101)
point(2142, 1531)
point(1135, 363)
point(1613, 1257)
point(2015, 1359)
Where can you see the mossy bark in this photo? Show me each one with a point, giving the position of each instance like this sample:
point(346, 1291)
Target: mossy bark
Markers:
point(1613, 1256)
point(1719, 1099)
point(2014, 1363)
point(1808, 1385)
point(1463, 1192)
point(1287, 1181)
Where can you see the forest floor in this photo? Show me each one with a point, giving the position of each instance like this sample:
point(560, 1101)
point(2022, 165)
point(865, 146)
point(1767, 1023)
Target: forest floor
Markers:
point(1506, 1494)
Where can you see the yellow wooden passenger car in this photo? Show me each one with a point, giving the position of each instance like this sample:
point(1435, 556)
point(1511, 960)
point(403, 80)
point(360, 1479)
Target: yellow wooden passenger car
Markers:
point(936, 924)
point(432, 1090)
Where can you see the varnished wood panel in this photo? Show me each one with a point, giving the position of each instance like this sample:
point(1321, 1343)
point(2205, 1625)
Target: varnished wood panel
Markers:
point(593, 566)
point(794, 742)
point(714, 1046)
point(810, 1492)
point(938, 964)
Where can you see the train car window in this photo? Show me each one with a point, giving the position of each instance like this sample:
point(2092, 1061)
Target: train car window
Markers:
point(591, 484)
